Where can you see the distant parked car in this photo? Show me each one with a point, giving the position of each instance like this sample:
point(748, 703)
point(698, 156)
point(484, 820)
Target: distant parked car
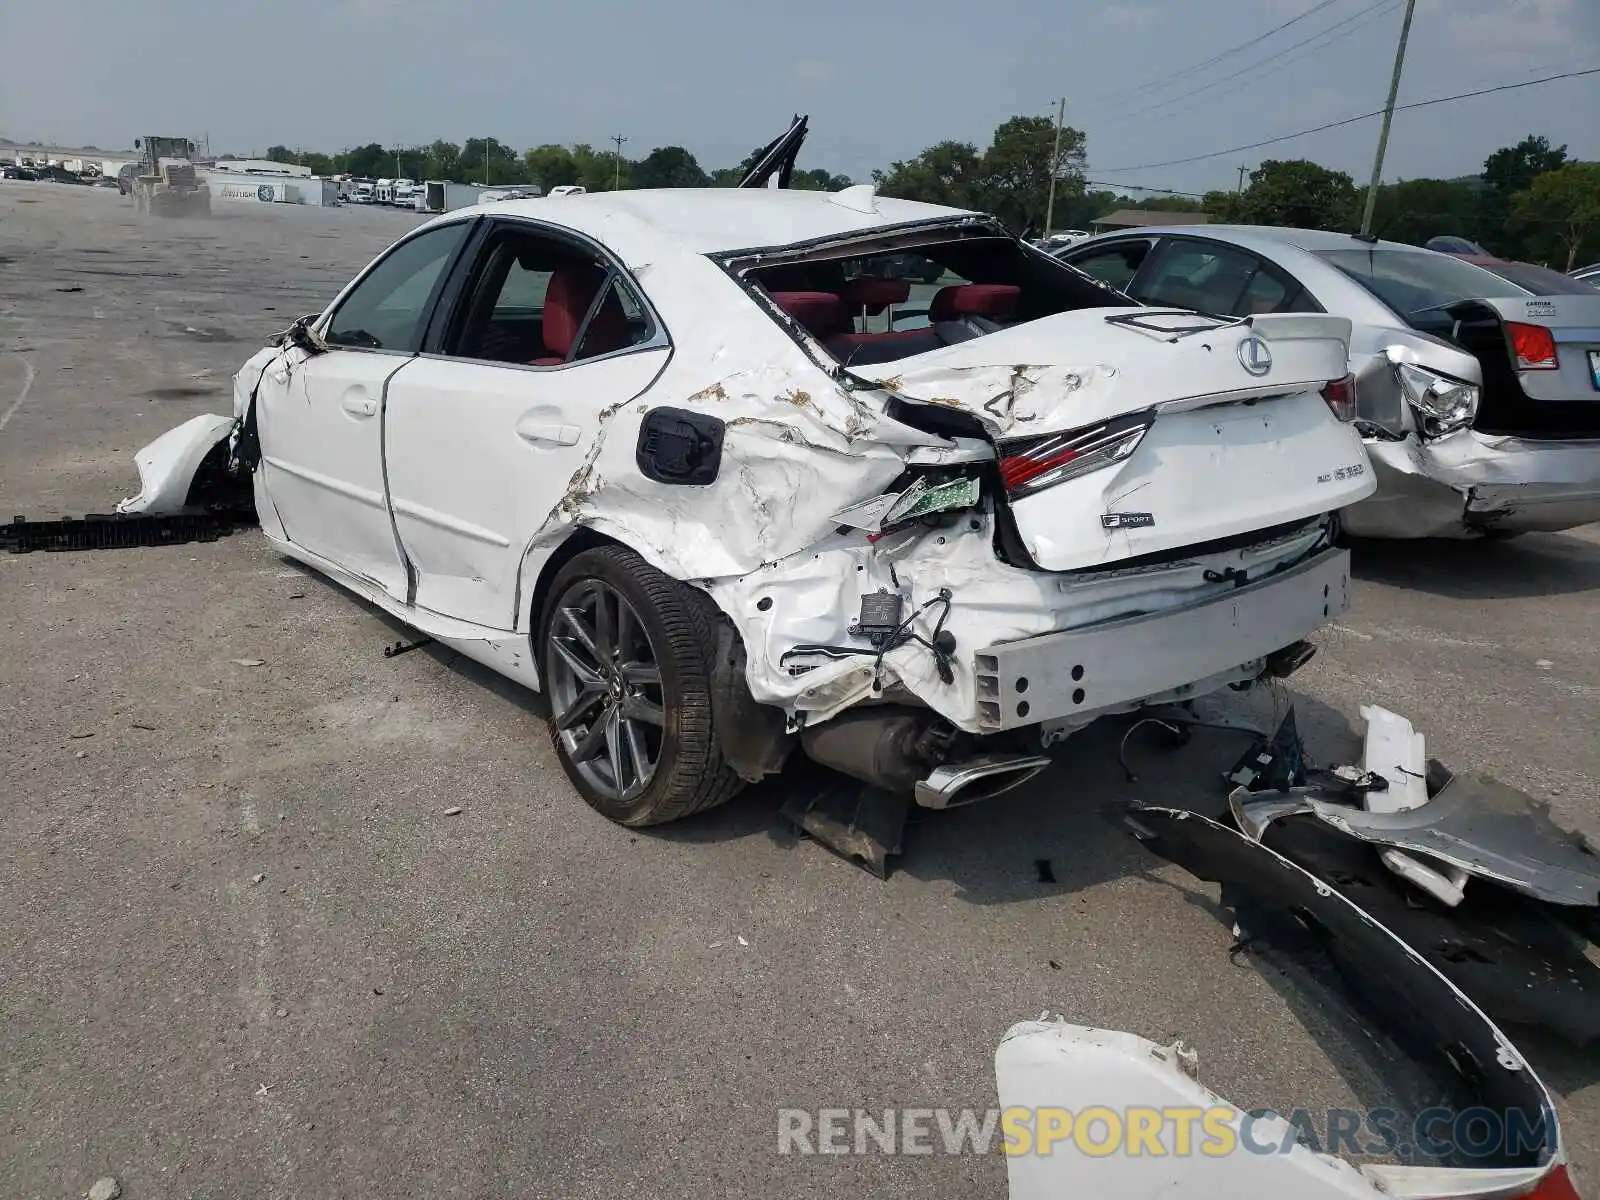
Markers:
point(1478, 397)
point(1539, 281)
point(20, 173)
point(1450, 244)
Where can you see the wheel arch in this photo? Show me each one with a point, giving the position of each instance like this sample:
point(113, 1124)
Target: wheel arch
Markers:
point(755, 739)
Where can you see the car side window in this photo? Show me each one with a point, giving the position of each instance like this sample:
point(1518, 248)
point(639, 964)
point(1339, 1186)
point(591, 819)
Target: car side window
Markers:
point(1203, 276)
point(538, 300)
point(1265, 293)
point(1116, 265)
point(1221, 280)
point(388, 310)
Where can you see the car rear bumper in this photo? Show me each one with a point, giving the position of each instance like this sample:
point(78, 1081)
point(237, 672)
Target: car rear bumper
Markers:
point(1470, 483)
point(1079, 674)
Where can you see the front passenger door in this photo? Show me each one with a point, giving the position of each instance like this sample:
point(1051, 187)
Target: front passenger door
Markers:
point(321, 421)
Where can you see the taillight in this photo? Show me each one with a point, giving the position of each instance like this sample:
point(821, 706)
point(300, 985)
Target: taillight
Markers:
point(1031, 465)
point(1557, 1185)
point(1341, 397)
point(1533, 346)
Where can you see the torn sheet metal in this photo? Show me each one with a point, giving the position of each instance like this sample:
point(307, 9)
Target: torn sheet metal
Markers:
point(1484, 827)
point(1465, 482)
point(1464, 1053)
point(812, 599)
point(1072, 369)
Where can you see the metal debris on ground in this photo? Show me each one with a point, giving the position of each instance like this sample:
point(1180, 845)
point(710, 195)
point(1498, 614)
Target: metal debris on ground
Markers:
point(398, 648)
point(119, 531)
point(1469, 872)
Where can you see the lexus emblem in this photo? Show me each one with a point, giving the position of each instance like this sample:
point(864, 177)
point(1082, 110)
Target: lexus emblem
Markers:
point(1255, 356)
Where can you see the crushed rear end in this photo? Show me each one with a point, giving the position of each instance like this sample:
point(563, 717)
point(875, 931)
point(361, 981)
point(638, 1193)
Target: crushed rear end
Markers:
point(1113, 507)
point(1489, 423)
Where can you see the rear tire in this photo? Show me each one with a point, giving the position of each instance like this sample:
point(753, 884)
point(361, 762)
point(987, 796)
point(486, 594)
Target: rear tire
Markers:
point(625, 654)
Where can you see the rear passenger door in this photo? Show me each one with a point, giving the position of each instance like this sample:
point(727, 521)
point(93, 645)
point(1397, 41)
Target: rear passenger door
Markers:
point(487, 432)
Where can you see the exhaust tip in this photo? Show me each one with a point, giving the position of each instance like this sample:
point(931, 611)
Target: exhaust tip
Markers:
point(978, 778)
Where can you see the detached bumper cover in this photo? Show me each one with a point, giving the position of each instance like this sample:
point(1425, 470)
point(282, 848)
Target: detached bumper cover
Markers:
point(1458, 485)
point(1079, 673)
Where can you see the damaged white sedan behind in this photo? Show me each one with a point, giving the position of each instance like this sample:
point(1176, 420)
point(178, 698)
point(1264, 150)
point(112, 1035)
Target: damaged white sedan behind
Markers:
point(673, 458)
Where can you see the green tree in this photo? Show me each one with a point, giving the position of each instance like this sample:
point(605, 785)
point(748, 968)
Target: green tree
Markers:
point(443, 162)
point(550, 166)
point(1561, 210)
point(1221, 205)
point(1506, 172)
point(280, 154)
point(1015, 173)
point(369, 161)
point(947, 173)
point(1299, 193)
point(668, 167)
point(488, 160)
point(817, 180)
point(598, 170)
point(1415, 210)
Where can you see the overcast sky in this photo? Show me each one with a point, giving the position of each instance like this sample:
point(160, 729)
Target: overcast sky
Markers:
point(880, 80)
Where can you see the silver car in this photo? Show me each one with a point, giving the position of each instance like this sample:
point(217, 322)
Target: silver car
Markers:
point(1478, 400)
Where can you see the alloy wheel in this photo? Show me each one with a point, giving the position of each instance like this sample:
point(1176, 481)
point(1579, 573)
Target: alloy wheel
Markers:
point(605, 689)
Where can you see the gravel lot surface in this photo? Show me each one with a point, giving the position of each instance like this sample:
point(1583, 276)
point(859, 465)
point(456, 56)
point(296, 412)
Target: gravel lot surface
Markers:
point(248, 953)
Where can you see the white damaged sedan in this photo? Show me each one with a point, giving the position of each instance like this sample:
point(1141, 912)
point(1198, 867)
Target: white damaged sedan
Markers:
point(700, 466)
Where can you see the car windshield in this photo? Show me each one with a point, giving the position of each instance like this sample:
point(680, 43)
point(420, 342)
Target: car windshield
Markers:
point(1416, 281)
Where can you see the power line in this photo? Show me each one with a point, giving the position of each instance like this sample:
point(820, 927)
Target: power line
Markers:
point(1248, 75)
point(1505, 87)
point(1216, 58)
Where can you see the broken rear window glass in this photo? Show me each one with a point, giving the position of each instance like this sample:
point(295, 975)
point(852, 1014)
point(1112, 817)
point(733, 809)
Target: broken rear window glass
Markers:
point(889, 305)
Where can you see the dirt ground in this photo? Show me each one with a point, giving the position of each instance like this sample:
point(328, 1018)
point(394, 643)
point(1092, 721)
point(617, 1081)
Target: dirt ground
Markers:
point(248, 953)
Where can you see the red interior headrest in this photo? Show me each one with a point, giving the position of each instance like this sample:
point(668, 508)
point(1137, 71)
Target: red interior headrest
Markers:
point(874, 295)
point(819, 312)
point(974, 300)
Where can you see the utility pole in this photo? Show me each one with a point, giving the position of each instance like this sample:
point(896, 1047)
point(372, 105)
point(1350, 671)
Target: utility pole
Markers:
point(1239, 188)
point(1055, 167)
point(1388, 115)
point(616, 177)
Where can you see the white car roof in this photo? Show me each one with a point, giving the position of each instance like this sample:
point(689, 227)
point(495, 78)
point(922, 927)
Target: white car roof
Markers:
point(638, 225)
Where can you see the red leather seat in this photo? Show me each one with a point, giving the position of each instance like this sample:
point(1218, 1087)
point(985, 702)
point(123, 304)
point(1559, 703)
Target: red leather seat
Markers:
point(573, 287)
point(819, 313)
point(993, 300)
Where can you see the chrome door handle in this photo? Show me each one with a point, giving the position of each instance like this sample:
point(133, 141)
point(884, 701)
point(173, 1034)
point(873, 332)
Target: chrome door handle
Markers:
point(549, 434)
point(358, 405)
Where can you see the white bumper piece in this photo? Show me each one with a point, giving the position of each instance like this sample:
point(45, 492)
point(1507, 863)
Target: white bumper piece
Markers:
point(167, 465)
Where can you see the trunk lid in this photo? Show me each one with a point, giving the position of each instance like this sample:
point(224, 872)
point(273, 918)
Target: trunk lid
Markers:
point(1073, 369)
point(1238, 437)
point(1573, 322)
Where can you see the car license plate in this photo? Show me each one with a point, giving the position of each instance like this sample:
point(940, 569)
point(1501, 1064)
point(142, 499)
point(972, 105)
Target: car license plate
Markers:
point(1594, 367)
